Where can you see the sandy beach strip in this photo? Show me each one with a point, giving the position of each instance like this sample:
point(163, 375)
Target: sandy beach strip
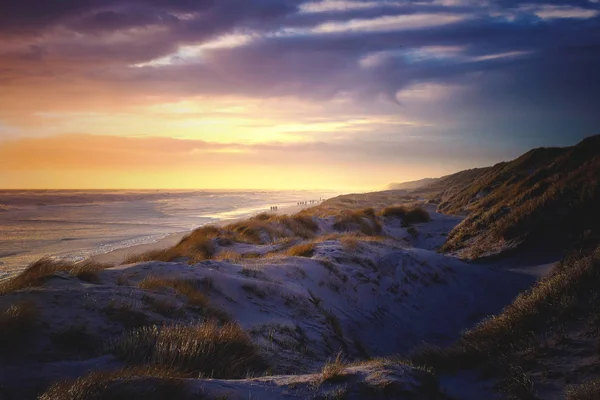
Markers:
point(117, 256)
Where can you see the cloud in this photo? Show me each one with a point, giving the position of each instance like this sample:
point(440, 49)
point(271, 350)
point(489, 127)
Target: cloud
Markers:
point(450, 63)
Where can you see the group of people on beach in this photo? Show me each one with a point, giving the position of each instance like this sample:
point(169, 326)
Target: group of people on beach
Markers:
point(300, 203)
point(305, 203)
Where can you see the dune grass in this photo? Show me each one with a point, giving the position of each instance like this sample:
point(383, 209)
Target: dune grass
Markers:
point(17, 324)
point(409, 216)
point(362, 220)
point(202, 243)
point(570, 293)
point(350, 243)
point(269, 227)
point(195, 299)
point(415, 215)
point(37, 272)
point(393, 211)
point(228, 256)
point(333, 370)
point(546, 196)
point(209, 349)
point(139, 383)
point(301, 250)
point(195, 247)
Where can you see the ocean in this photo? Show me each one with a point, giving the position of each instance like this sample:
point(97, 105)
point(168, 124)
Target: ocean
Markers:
point(74, 225)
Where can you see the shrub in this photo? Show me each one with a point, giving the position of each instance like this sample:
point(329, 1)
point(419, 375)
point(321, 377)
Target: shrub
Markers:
point(301, 250)
point(363, 220)
point(36, 273)
point(416, 215)
point(124, 384)
point(207, 348)
point(17, 324)
point(394, 212)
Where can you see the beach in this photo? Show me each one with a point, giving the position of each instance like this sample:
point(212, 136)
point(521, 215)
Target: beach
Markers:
point(78, 225)
point(117, 256)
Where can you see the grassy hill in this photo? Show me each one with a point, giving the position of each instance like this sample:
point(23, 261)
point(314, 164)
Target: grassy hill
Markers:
point(546, 197)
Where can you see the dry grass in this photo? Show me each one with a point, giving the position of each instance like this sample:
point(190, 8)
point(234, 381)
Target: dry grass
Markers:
point(17, 324)
point(393, 211)
point(350, 243)
point(569, 294)
point(341, 236)
point(363, 220)
point(195, 247)
point(195, 299)
point(212, 350)
point(200, 245)
point(36, 273)
point(299, 225)
point(546, 197)
point(254, 231)
point(301, 250)
point(587, 391)
point(268, 228)
point(124, 384)
point(333, 370)
point(188, 289)
point(228, 256)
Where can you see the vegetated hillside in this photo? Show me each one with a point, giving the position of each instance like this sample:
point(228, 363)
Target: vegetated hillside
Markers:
point(447, 186)
point(547, 196)
point(412, 184)
point(542, 346)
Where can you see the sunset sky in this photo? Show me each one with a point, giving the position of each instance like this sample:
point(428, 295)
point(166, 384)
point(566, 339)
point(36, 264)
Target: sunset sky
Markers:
point(282, 94)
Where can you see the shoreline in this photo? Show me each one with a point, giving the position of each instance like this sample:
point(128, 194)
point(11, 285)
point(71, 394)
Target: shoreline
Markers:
point(117, 256)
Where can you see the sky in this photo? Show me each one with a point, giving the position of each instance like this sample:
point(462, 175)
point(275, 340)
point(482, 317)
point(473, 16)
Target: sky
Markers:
point(347, 95)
